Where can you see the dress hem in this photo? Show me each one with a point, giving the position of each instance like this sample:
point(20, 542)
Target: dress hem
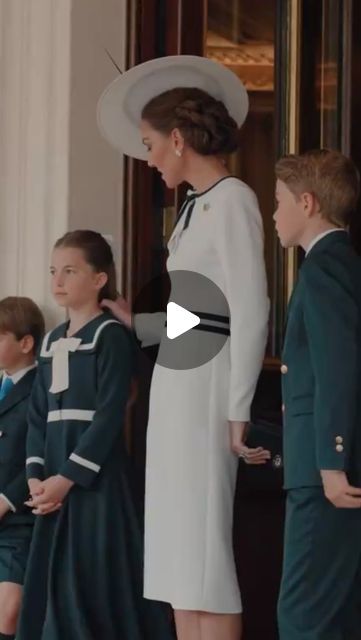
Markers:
point(193, 607)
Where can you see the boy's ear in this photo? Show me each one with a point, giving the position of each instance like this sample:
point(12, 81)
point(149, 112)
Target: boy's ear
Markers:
point(27, 344)
point(310, 204)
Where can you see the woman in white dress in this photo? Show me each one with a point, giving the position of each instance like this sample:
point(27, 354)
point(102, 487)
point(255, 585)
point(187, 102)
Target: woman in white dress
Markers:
point(186, 112)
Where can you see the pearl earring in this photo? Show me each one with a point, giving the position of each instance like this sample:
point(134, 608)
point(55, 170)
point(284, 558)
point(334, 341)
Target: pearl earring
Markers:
point(178, 153)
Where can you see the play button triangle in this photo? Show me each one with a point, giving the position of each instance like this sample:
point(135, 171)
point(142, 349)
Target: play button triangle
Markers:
point(179, 320)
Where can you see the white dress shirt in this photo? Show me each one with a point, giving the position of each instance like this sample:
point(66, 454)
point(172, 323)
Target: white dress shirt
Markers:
point(16, 377)
point(320, 236)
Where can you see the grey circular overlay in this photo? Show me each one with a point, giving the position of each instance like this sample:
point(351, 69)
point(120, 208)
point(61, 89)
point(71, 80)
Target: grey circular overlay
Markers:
point(190, 328)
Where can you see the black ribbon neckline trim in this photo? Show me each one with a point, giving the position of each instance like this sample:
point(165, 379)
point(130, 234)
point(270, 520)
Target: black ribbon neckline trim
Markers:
point(190, 200)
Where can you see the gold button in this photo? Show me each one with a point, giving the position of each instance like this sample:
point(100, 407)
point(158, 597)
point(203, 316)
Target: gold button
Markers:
point(284, 369)
point(339, 448)
point(339, 440)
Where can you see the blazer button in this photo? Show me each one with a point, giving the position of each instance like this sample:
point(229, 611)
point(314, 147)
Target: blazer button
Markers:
point(339, 448)
point(283, 408)
point(284, 369)
point(1, 434)
point(339, 440)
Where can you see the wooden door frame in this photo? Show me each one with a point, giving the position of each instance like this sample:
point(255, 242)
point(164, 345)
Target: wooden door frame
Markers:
point(141, 185)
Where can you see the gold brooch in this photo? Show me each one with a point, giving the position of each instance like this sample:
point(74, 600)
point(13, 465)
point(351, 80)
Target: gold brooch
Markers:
point(206, 206)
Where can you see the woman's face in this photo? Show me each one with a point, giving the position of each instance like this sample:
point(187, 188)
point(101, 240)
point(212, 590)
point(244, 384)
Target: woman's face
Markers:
point(162, 154)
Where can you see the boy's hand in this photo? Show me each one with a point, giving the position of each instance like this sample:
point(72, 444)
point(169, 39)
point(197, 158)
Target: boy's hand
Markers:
point(53, 491)
point(4, 507)
point(338, 490)
point(238, 433)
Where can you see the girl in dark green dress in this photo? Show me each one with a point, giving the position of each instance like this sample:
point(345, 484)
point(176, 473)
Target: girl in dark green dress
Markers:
point(84, 578)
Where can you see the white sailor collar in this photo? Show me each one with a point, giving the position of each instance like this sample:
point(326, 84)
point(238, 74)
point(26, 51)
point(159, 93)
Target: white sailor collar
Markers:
point(56, 347)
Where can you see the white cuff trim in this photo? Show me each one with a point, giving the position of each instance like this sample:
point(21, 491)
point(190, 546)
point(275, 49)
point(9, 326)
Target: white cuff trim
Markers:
point(84, 463)
point(35, 460)
point(12, 507)
point(70, 414)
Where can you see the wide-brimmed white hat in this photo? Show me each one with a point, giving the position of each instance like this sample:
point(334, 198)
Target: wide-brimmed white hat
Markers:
point(121, 105)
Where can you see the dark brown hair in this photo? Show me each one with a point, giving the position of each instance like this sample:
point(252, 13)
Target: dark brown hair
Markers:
point(203, 121)
point(97, 253)
point(329, 175)
point(22, 317)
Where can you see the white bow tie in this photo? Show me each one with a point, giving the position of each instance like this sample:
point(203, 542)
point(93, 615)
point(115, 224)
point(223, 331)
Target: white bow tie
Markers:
point(60, 371)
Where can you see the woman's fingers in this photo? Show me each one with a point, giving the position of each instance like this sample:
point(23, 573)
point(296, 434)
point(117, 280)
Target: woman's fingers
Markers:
point(120, 309)
point(109, 304)
point(254, 456)
point(256, 453)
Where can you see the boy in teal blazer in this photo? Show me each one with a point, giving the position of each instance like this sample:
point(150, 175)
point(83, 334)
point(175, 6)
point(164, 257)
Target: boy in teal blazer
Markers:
point(320, 596)
point(21, 330)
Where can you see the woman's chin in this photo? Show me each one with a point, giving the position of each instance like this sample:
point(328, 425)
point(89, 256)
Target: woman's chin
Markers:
point(167, 182)
point(171, 184)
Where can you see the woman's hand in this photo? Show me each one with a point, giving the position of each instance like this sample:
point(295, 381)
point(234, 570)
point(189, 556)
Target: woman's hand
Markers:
point(238, 433)
point(50, 495)
point(120, 308)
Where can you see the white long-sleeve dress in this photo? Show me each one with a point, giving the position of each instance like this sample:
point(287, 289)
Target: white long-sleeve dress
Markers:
point(190, 469)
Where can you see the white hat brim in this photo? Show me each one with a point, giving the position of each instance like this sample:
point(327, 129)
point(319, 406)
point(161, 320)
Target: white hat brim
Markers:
point(120, 106)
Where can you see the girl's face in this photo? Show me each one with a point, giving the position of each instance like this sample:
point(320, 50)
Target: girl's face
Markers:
point(162, 153)
point(74, 283)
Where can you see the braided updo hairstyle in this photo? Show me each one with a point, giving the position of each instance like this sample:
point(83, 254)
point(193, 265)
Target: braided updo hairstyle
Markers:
point(203, 121)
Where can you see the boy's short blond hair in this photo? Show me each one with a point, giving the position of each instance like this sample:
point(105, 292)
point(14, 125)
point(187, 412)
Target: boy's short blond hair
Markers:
point(329, 175)
point(22, 317)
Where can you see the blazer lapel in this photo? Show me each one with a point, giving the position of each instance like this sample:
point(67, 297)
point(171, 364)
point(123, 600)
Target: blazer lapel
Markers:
point(332, 239)
point(19, 392)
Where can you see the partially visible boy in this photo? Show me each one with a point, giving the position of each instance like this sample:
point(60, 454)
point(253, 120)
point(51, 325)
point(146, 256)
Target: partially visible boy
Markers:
point(21, 332)
point(321, 585)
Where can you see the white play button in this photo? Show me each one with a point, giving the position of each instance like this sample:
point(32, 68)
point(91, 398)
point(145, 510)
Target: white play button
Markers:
point(179, 320)
point(191, 329)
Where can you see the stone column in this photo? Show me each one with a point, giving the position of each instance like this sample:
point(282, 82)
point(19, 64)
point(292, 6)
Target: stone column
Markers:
point(35, 40)
point(56, 172)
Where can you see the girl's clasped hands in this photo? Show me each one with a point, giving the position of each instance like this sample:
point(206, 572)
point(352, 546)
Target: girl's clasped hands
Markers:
point(47, 496)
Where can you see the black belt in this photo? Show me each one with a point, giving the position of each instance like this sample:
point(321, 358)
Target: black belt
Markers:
point(213, 328)
point(218, 320)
